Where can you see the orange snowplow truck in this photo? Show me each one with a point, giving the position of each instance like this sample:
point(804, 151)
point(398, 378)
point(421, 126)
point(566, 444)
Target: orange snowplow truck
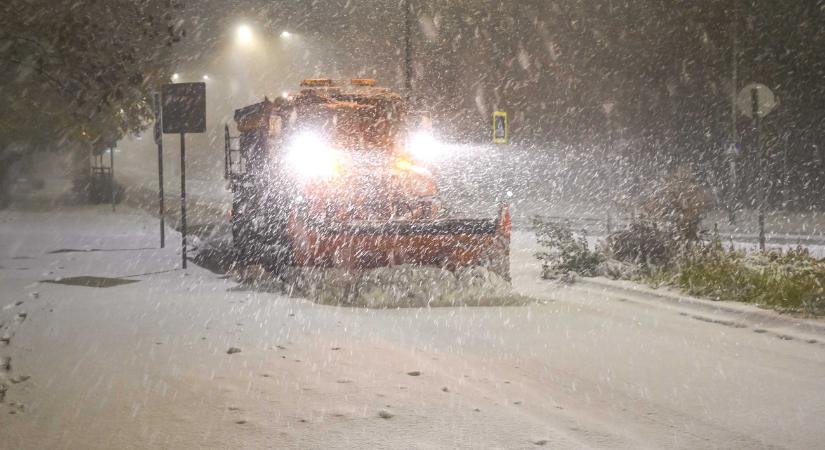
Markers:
point(324, 178)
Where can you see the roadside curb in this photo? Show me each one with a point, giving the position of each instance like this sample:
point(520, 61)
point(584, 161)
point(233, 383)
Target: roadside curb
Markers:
point(783, 325)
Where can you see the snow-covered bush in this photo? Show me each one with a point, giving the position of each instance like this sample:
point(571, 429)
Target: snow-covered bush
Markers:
point(564, 251)
point(671, 213)
point(676, 205)
point(643, 244)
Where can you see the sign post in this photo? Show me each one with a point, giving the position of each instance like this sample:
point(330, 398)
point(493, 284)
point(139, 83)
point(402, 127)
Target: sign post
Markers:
point(159, 143)
point(184, 111)
point(757, 120)
point(183, 198)
point(756, 101)
point(501, 129)
point(732, 153)
point(112, 176)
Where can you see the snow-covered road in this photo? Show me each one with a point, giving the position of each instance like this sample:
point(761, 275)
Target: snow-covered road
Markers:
point(145, 364)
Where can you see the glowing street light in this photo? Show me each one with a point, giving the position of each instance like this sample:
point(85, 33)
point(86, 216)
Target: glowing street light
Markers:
point(286, 34)
point(243, 34)
point(175, 76)
point(206, 78)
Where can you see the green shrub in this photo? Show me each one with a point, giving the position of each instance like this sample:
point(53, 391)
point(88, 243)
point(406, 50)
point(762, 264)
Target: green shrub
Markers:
point(792, 281)
point(564, 251)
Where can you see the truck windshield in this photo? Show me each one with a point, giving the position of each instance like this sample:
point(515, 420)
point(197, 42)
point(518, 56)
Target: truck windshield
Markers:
point(352, 126)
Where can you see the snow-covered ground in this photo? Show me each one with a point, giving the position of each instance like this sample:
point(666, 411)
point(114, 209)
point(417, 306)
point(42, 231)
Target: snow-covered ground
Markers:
point(146, 364)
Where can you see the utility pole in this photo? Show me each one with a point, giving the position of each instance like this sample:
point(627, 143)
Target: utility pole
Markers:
point(732, 154)
point(408, 69)
point(734, 92)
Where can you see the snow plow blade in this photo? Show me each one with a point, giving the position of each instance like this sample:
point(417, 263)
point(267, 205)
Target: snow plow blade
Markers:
point(446, 243)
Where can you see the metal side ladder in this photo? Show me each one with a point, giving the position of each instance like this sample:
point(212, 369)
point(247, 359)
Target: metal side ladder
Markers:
point(234, 163)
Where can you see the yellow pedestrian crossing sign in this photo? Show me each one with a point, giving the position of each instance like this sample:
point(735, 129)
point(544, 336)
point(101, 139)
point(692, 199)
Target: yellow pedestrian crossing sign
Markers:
point(501, 131)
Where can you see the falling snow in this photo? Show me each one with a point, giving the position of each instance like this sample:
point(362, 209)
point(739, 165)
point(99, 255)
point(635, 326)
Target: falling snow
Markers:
point(375, 258)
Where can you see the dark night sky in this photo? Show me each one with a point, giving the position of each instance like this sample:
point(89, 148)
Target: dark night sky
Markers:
point(666, 64)
point(554, 65)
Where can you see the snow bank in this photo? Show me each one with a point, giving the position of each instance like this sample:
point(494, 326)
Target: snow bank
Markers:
point(399, 286)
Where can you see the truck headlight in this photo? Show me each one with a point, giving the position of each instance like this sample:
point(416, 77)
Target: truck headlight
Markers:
point(310, 157)
point(424, 146)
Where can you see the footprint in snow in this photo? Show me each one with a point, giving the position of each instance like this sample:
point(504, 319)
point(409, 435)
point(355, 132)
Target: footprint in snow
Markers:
point(16, 408)
point(19, 379)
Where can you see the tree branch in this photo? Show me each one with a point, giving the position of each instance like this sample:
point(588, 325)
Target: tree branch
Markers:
point(39, 70)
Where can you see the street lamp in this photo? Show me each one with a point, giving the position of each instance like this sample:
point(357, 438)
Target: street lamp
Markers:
point(206, 78)
point(286, 34)
point(175, 77)
point(243, 34)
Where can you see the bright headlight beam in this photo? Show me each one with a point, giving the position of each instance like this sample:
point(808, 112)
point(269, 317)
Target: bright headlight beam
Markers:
point(423, 145)
point(310, 157)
